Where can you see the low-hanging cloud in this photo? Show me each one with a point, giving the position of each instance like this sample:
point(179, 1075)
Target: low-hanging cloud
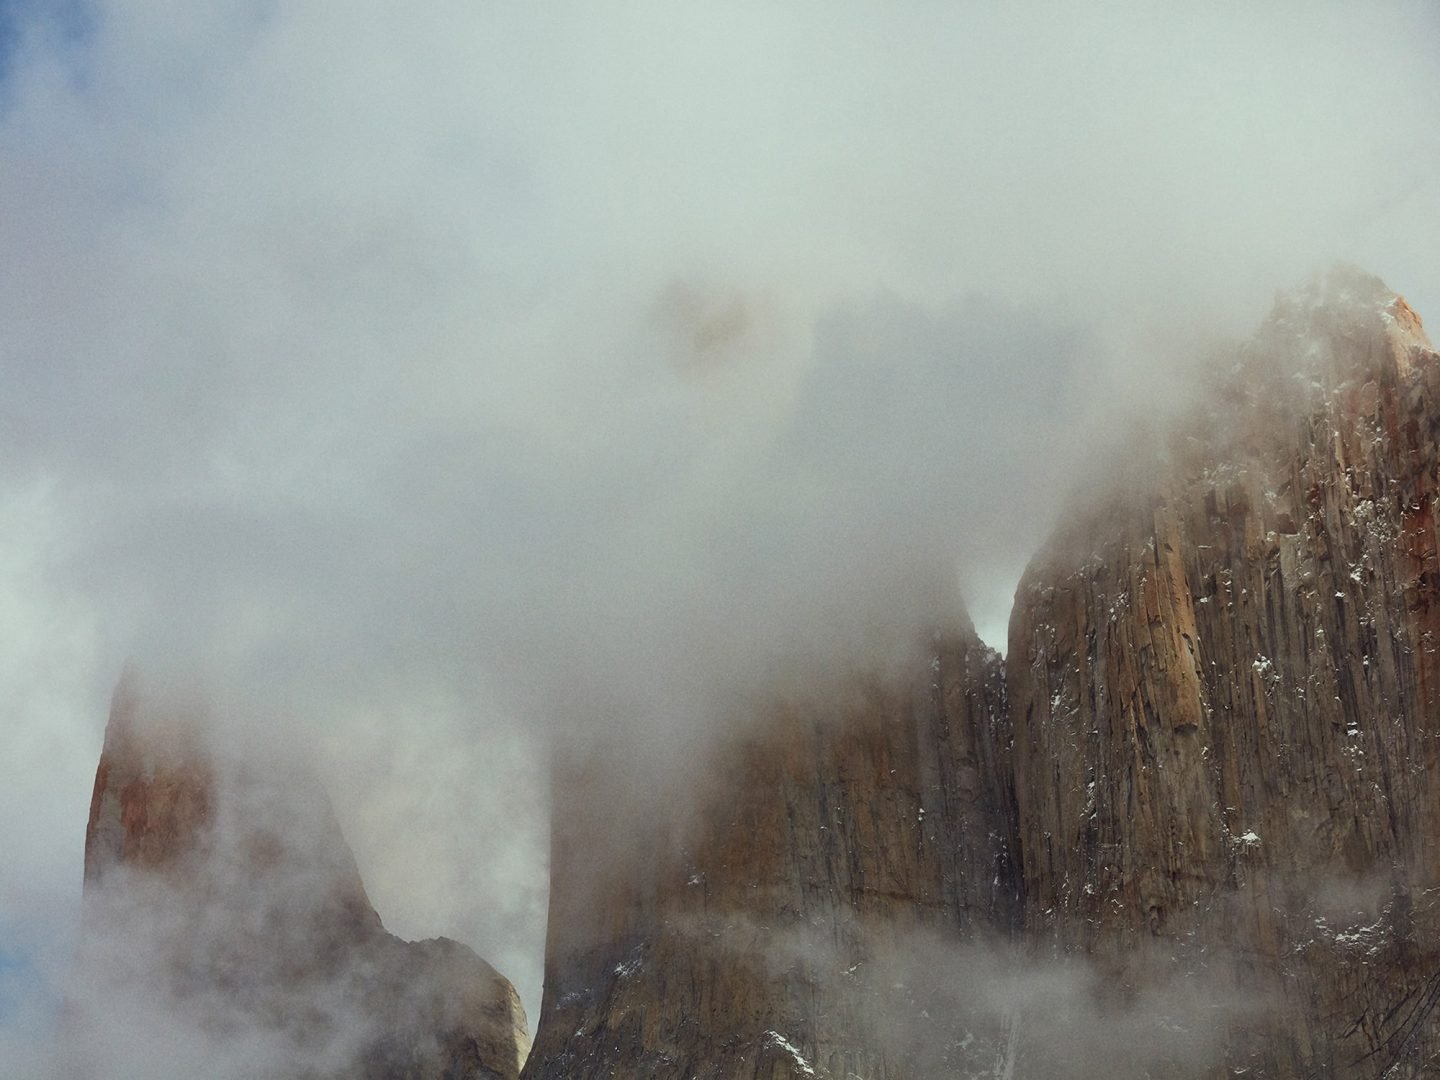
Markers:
point(434, 383)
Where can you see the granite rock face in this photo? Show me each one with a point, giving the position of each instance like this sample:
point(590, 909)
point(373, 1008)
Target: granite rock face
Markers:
point(1188, 829)
point(1223, 685)
point(227, 931)
point(779, 928)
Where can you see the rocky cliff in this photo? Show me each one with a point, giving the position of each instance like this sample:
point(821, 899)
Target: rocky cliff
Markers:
point(779, 927)
point(227, 931)
point(1223, 687)
point(1189, 830)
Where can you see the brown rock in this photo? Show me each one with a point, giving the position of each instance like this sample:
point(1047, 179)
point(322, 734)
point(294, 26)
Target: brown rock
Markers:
point(1224, 693)
point(227, 931)
point(775, 929)
point(1214, 835)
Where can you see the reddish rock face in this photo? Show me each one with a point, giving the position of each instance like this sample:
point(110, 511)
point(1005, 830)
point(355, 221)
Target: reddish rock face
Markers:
point(1191, 827)
point(227, 931)
point(1210, 850)
point(154, 793)
point(775, 928)
point(1223, 687)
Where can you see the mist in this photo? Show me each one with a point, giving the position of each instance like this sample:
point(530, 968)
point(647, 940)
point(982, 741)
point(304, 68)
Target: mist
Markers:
point(984, 1007)
point(427, 387)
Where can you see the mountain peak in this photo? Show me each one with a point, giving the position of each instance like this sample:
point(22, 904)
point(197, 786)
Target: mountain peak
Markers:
point(1323, 319)
point(224, 907)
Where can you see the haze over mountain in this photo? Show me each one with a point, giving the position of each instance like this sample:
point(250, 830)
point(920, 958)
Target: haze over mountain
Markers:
point(227, 932)
point(418, 386)
point(1184, 829)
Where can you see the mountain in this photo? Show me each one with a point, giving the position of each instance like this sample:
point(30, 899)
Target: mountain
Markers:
point(763, 932)
point(227, 932)
point(1187, 828)
point(1223, 685)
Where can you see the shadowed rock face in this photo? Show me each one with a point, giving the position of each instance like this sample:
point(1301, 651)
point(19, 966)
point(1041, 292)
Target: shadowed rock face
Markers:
point(1224, 693)
point(762, 934)
point(227, 932)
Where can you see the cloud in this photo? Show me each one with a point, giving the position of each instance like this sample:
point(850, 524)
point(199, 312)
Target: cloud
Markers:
point(434, 383)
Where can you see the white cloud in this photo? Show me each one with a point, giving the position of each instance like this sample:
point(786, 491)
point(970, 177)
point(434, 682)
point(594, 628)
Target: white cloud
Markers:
point(366, 360)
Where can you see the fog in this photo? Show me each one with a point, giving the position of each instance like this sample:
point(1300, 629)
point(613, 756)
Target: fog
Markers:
point(987, 1008)
point(428, 385)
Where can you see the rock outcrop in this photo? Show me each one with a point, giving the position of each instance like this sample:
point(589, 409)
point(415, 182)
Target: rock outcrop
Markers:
point(1191, 830)
point(1190, 827)
point(227, 931)
point(1223, 685)
point(781, 926)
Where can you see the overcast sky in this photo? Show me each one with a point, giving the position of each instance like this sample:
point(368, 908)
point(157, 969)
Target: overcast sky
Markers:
point(424, 384)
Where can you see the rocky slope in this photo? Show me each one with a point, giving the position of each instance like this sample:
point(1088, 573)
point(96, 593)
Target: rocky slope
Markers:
point(227, 932)
point(1223, 687)
point(780, 928)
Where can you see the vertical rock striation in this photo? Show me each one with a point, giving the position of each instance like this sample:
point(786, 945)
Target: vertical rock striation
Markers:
point(1224, 693)
point(227, 931)
point(781, 927)
point(1190, 828)
point(1199, 803)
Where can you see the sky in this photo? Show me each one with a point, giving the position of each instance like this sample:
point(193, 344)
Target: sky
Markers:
point(427, 386)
